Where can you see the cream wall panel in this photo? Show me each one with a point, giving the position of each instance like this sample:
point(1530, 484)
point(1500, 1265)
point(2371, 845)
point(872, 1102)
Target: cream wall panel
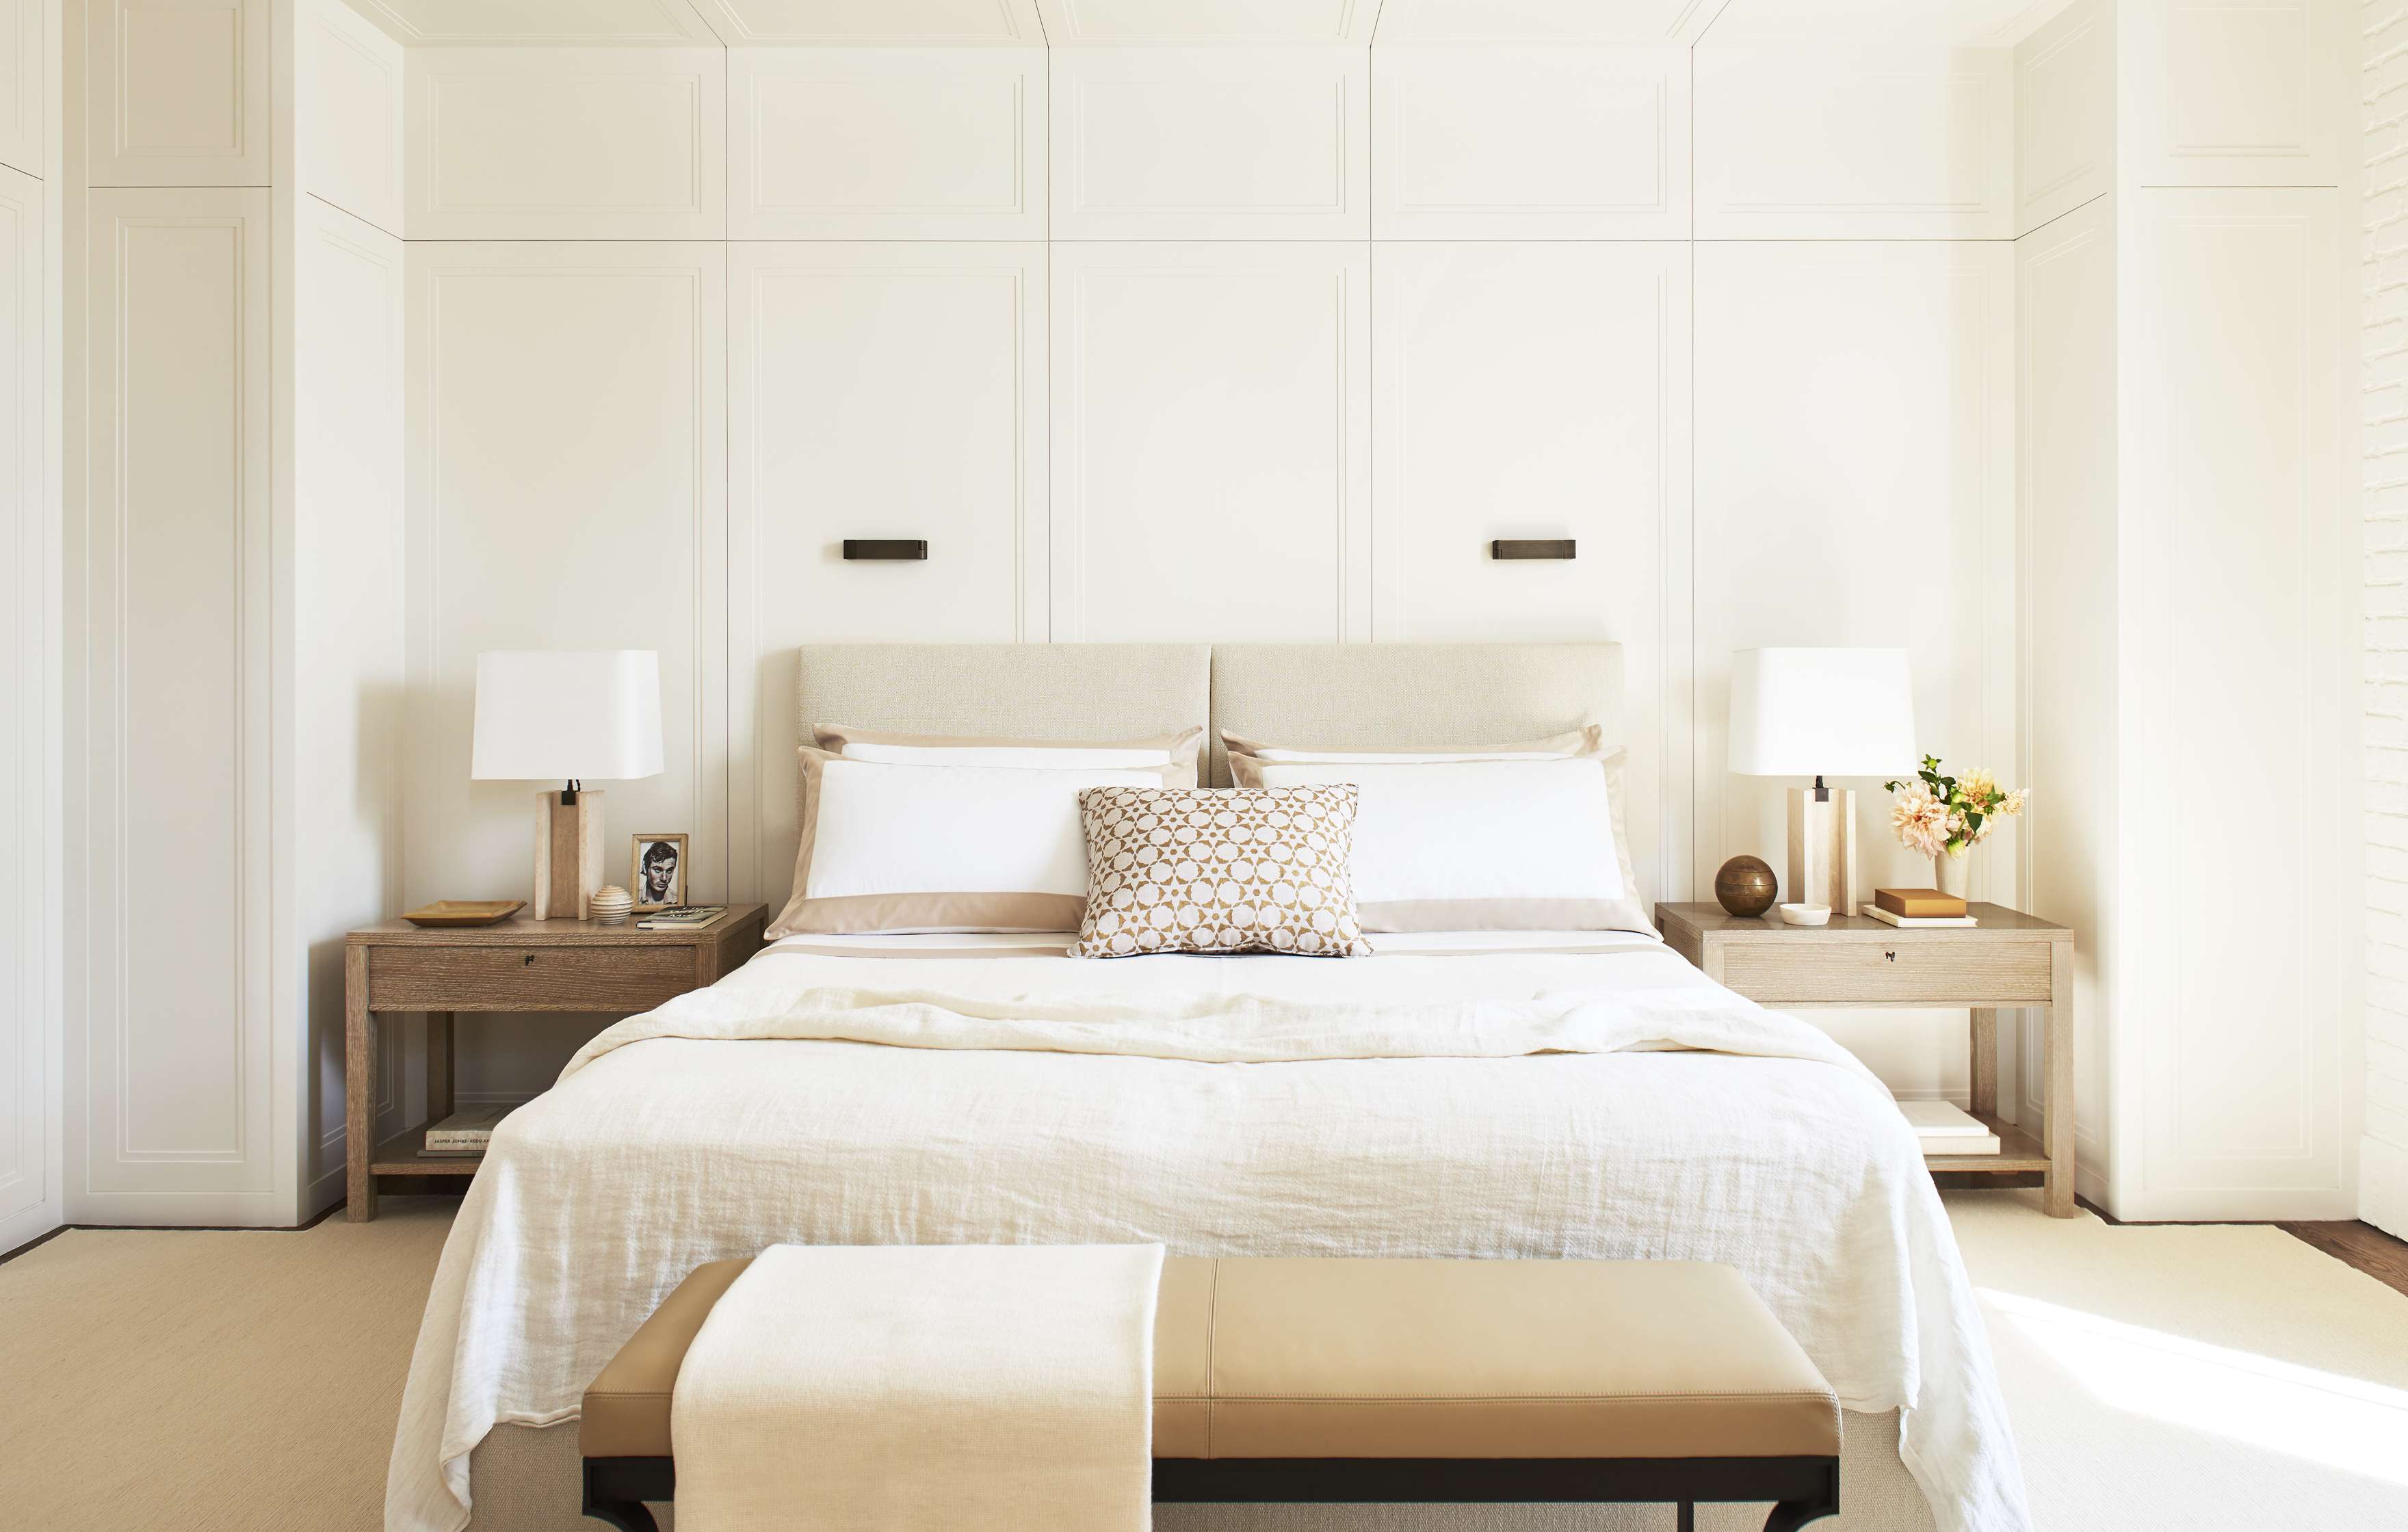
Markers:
point(603, 143)
point(2231, 486)
point(25, 93)
point(349, 133)
point(567, 429)
point(548, 22)
point(1562, 142)
point(1810, 143)
point(29, 734)
point(349, 556)
point(878, 391)
point(1542, 390)
point(174, 1116)
point(872, 22)
point(178, 92)
point(1211, 442)
point(1856, 486)
point(1211, 143)
point(926, 143)
point(2072, 564)
point(2065, 114)
point(1070, 23)
point(2236, 92)
point(1545, 21)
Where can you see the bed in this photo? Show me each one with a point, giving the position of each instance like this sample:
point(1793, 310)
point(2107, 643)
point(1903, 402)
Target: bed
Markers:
point(1480, 1095)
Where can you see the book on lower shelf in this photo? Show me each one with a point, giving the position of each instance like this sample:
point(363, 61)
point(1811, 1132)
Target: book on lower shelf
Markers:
point(1912, 923)
point(465, 1133)
point(1945, 1128)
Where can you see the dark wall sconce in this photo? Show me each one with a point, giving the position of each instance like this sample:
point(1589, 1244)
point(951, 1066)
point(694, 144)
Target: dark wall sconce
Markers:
point(885, 548)
point(1543, 547)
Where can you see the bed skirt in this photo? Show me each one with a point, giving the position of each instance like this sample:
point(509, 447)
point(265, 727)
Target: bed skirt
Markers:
point(525, 1480)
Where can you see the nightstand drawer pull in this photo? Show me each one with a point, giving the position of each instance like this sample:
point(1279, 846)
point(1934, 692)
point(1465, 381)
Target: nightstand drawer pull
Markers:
point(599, 978)
point(1939, 973)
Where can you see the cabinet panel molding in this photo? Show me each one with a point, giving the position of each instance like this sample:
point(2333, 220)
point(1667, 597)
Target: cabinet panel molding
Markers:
point(30, 1052)
point(2236, 92)
point(177, 92)
point(178, 1098)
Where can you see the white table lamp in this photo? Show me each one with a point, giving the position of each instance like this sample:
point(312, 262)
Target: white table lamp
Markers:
point(1822, 712)
point(568, 716)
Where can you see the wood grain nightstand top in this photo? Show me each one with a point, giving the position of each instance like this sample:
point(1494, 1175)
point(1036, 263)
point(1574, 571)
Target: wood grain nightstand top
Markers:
point(523, 931)
point(1997, 923)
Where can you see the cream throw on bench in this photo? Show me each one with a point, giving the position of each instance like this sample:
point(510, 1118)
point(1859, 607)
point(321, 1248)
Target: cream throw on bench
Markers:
point(886, 1388)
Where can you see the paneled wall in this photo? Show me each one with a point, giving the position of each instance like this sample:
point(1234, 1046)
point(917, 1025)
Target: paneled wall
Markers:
point(1200, 322)
point(2382, 1157)
point(32, 1044)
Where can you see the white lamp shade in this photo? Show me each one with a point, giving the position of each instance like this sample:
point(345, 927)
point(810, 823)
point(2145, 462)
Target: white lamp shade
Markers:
point(561, 715)
point(1822, 712)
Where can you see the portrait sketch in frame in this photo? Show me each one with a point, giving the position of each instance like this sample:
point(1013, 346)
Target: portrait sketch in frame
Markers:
point(656, 872)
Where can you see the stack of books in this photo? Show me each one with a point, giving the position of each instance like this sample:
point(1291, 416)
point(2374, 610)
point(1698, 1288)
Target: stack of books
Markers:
point(680, 917)
point(465, 1133)
point(1912, 906)
point(1947, 1129)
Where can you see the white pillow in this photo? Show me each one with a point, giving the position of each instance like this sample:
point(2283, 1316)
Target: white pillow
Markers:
point(935, 848)
point(1512, 845)
point(1176, 751)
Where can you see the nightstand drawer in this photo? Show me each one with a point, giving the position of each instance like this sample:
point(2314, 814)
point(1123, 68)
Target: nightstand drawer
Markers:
point(485, 977)
point(1889, 973)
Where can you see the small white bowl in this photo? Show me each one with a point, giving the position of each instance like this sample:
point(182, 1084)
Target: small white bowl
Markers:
point(1805, 914)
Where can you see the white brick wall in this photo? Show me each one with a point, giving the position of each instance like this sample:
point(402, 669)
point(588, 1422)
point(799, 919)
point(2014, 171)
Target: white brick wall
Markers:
point(2384, 1160)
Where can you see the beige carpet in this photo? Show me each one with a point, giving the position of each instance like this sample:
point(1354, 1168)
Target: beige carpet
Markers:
point(2159, 1377)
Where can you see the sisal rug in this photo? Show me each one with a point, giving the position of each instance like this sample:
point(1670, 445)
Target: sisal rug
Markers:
point(2225, 1377)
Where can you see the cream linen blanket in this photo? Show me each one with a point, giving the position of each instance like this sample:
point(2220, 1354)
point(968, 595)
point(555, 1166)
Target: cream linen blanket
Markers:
point(892, 1388)
point(1494, 1106)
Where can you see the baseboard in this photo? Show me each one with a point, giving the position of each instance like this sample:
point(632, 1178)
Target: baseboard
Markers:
point(2383, 1186)
point(185, 1210)
point(19, 1229)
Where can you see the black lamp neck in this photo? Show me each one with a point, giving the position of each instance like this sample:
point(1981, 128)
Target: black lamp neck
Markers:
point(1822, 794)
point(568, 793)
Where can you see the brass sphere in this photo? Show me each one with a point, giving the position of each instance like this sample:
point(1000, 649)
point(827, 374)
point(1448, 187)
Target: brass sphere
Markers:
point(1745, 886)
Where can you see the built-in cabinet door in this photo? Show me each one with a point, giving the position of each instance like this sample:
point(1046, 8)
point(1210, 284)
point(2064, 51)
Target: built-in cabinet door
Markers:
point(2241, 568)
point(170, 754)
point(29, 900)
point(177, 91)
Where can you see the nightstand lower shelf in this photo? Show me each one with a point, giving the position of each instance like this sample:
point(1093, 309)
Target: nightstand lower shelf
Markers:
point(2018, 1151)
point(405, 1154)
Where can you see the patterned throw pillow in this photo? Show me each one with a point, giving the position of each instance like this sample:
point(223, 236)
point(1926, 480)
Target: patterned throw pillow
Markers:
point(1220, 870)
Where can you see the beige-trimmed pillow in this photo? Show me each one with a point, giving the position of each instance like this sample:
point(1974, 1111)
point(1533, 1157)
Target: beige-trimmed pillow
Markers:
point(1219, 870)
point(1179, 750)
point(895, 848)
point(1571, 742)
point(1511, 865)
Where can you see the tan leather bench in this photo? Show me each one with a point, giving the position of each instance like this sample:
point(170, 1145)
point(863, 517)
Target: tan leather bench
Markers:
point(1406, 1381)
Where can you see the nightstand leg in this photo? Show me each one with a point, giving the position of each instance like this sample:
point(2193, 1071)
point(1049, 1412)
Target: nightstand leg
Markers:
point(359, 1088)
point(438, 1066)
point(1985, 1063)
point(2058, 1060)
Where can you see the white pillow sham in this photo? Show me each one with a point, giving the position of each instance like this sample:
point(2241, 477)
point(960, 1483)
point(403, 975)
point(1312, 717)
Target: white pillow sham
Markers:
point(1177, 750)
point(888, 847)
point(1496, 845)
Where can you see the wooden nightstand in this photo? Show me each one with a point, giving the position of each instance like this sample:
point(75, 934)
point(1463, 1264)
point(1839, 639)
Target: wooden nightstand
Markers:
point(2009, 959)
point(517, 966)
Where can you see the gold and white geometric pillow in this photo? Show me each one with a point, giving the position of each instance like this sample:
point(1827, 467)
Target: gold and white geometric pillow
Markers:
point(1220, 870)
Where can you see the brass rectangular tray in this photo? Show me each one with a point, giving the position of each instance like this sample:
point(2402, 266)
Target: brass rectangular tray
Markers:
point(464, 912)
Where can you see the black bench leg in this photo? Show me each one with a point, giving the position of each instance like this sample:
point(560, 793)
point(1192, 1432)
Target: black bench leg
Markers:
point(1789, 1515)
point(626, 1515)
point(1689, 1516)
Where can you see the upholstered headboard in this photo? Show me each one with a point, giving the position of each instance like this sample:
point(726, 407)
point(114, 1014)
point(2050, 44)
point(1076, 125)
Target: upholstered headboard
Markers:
point(1364, 695)
point(1030, 691)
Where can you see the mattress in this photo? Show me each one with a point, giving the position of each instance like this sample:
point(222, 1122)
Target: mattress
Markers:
point(1474, 1095)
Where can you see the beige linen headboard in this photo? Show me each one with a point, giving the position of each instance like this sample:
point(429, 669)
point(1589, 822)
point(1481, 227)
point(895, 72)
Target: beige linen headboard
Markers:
point(1332, 695)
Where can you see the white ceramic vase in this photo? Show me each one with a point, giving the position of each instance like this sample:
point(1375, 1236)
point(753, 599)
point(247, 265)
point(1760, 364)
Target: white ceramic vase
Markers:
point(1951, 874)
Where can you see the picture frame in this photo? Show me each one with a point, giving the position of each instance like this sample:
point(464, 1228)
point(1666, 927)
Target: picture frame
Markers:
point(656, 870)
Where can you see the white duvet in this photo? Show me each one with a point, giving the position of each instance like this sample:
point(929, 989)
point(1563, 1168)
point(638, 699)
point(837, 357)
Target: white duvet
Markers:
point(1603, 1104)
